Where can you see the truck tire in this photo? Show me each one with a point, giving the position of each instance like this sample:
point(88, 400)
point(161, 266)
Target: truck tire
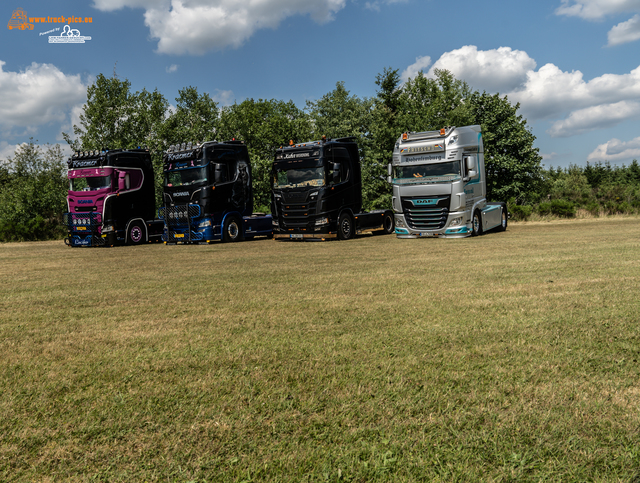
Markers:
point(345, 227)
point(389, 224)
point(232, 230)
point(476, 224)
point(135, 234)
point(503, 217)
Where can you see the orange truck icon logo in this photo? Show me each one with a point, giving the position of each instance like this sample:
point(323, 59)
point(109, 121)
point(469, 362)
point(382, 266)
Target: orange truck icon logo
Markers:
point(19, 21)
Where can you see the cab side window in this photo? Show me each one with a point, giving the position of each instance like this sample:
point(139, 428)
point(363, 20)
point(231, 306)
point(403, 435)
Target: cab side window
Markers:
point(133, 177)
point(224, 163)
point(228, 158)
point(341, 157)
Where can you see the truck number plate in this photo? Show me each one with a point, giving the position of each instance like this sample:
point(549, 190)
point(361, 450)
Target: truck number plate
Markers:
point(296, 235)
point(82, 228)
point(179, 235)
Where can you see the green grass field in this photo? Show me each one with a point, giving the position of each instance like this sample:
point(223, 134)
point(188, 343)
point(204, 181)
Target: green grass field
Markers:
point(509, 357)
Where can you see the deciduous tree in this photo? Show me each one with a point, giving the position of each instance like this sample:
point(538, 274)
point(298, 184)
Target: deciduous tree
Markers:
point(32, 193)
point(263, 125)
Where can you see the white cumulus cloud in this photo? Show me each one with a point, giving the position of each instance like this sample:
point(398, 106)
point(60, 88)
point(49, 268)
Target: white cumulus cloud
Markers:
point(197, 26)
point(574, 104)
point(616, 151)
point(596, 9)
point(551, 92)
point(497, 70)
point(7, 151)
point(420, 64)
point(224, 98)
point(596, 117)
point(376, 4)
point(37, 95)
point(625, 32)
point(111, 5)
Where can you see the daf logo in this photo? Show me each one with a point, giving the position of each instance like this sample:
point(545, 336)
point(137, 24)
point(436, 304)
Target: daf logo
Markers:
point(181, 193)
point(426, 202)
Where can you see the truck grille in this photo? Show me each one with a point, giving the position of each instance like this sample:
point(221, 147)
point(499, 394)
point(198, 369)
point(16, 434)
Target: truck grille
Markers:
point(426, 212)
point(179, 221)
point(179, 215)
point(295, 214)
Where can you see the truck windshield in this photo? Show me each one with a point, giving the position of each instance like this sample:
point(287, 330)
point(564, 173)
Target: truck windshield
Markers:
point(299, 177)
point(92, 183)
point(184, 177)
point(427, 173)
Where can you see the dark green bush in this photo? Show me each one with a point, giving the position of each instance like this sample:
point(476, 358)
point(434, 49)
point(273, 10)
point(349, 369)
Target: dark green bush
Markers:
point(593, 207)
point(520, 212)
point(560, 208)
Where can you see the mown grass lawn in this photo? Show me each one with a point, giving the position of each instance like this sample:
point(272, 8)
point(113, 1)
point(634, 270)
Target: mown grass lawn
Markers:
point(509, 357)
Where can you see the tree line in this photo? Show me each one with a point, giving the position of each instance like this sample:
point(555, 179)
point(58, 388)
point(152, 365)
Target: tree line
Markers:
point(597, 189)
point(33, 184)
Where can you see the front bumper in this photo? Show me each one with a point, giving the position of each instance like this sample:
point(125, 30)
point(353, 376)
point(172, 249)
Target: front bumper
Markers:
point(457, 231)
point(305, 236)
point(83, 229)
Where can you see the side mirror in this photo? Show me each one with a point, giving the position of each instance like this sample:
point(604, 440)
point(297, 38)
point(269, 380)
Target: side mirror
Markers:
point(122, 184)
point(336, 173)
point(473, 174)
point(389, 173)
point(471, 164)
point(219, 174)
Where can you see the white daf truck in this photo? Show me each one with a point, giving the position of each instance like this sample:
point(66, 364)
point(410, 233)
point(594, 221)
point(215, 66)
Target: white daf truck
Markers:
point(439, 185)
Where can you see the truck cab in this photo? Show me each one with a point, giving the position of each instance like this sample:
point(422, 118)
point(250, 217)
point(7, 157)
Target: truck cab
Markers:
point(439, 185)
point(317, 192)
point(111, 198)
point(208, 194)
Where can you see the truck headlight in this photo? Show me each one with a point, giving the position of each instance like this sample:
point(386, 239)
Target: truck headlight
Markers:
point(322, 221)
point(456, 221)
point(204, 223)
point(399, 222)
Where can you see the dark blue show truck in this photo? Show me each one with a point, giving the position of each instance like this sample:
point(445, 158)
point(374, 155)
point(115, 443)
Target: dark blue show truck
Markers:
point(208, 194)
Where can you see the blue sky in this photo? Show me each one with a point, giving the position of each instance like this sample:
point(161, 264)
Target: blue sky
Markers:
point(573, 65)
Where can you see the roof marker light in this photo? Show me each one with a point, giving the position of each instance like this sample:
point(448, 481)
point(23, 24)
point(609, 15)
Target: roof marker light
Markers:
point(405, 136)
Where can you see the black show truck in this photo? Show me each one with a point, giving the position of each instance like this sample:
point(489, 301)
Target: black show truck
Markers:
point(317, 193)
point(208, 194)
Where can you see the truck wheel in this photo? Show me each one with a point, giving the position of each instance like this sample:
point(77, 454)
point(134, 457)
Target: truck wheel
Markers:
point(389, 224)
point(136, 233)
point(232, 231)
point(476, 224)
point(345, 227)
point(503, 218)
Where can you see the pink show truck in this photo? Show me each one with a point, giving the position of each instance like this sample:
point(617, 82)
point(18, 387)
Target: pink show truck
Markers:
point(111, 199)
